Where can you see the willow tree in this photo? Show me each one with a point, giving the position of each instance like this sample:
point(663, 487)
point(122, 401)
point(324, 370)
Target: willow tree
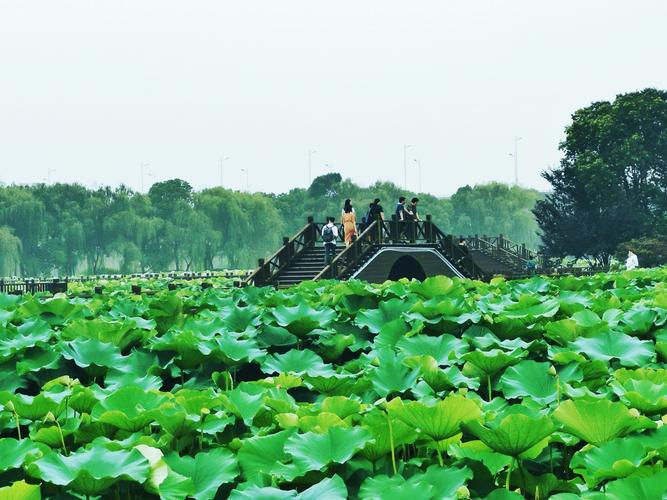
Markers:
point(10, 253)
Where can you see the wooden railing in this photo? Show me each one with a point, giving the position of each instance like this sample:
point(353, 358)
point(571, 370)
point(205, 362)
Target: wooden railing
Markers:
point(33, 286)
point(458, 255)
point(269, 268)
point(513, 254)
point(349, 258)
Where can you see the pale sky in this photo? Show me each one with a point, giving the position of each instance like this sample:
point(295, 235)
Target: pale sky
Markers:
point(90, 90)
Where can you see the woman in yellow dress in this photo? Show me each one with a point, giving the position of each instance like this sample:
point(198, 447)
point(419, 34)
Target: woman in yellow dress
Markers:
point(349, 220)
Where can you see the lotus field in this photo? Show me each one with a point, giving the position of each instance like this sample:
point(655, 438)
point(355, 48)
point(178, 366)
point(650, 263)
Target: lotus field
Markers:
point(443, 389)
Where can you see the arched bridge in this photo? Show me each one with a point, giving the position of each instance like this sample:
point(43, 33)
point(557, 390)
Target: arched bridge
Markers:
point(391, 249)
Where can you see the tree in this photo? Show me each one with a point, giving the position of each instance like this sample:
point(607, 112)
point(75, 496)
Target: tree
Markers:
point(326, 185)
point(10, 253)
point(611, 185)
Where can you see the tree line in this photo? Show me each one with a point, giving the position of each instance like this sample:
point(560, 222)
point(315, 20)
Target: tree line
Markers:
point(67, 229)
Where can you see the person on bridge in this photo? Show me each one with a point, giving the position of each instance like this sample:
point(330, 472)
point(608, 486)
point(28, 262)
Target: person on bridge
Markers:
point(412, 209)
point(349, 223)
point(329, 237)
point(632, 262)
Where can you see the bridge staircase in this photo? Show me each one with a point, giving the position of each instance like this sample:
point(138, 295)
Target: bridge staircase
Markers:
point(301, 257)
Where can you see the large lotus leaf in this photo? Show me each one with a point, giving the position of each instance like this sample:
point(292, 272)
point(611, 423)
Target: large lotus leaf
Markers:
point(231, 350)
point(249, 491)
point(341, 406)
point(597, 422)
point(387, 311)
point(20, 490)
point(296, 362)
point(35, 407)
point(119, 333)
point(439, 379)
point(572, 302)
point(530, 379)
point(139, 368)
point(51, 434)
point(86, 352)
point(14, 454)
point(611, 460)
point(443, 313)
point(655, 440)
point(391, 333)
point(385, 430)
point(275, 336)
point(177, 422)
point(491, 362)
point(437, 286)
point(531, 306)
point(445, 348)
point(391, 376)
point(514, 434)
point(262, 456)
point(330, 488)
point(302, 319)
point(32, 332)
point(92, 471)
point(38, 358)
point(240, 319)
point(644, 395)
point(477, 450)
point(312, 451)
point(439, 422)
point(245, 401)
point(435, 483)
point(639, 320)
point(207, 470)
point(186, 343)
point(166, 310)
point(130, 408)
point(638, 488)
point(589, 323)
point(562, 331)
point(615, 345)
point(55, 311)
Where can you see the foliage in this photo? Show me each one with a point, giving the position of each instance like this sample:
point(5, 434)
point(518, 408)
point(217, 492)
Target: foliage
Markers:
point(67, 229)
point(443, 389)
point(611, 183)
point(651, 252)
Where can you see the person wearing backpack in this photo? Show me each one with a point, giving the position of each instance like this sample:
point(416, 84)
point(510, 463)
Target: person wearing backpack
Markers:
point(329, 237)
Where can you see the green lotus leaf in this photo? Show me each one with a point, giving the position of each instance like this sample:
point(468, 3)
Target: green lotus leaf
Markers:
point(439, 379)
point(437, 286)
point(275, 336)
point(299, 363)
point(91, 471)
point(529, 379)
point(387, 311)
point(55, 311)
point(240, 319)
point(130, 408)
point(335, 385)
point(385, 430)
point(477, 450)
point(33, 332)
point(440, 421)
point(166, 310)
point(321, 423)
point(562, 331)
point(544, 485)
point(14, 454)
point(312, 451)
point(177, 422)
point(391, 376)
point(86, 352)
point(655, 440)
point(83, 399)
point(50, 434)
point(443, 313)
point(391, 333)
point(647, 397)
point(262, 456)
point(139, 368)
point(514, 434)
point(638, 488)
point(330, 488)
point(612, 460)
point(20, 490)
point(491, 362)
point(231, 350)
point(503, 494)
point(245, 401)
point(118, 333)
point(38, 358)
point(435, 483)
point(615, 345)
point(252, 492)
point(9, 382)
point(35, 407)
point(639, 320)
point(207, 470)
point(445, 348)
point(597, 422)
point(302, 319)
point(341, 406)
point(531, 306)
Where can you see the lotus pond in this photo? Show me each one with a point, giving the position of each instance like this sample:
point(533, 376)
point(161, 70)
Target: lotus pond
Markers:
point(443, 389)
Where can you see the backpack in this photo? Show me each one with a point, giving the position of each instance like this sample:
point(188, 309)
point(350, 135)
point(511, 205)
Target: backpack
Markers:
point(327, 234)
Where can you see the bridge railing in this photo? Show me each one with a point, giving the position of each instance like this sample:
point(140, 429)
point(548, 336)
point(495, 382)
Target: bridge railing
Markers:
point(349, 258)
point(514, 254)
point(460, 256)
point(268, 269)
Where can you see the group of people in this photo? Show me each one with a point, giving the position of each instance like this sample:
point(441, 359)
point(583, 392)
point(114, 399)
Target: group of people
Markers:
point(350, 228)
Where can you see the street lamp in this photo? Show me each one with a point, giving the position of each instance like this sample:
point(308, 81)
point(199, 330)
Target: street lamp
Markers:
point(247, 179)
point(221, 162)
point(141, 167)
point(419, 166)
point(405, 165)
point(515, 155)
point(48, 175)
point(311, 152)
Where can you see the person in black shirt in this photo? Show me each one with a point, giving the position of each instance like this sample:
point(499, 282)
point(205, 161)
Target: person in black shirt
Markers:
point(412, 209)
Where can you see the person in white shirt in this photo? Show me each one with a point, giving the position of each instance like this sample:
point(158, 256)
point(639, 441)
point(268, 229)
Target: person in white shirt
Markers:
point(632, 261)
point(329, 237)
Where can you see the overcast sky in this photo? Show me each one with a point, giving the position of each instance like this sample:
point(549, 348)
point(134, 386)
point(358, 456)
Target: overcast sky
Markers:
point(90, 90)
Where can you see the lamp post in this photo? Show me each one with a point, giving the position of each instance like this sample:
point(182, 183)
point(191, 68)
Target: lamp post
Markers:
point(516, 159)
point(405, 165)
point(48, 175)
point(141, 168)
point(419, 166)
point(247, 179)
point(222, 160)
point(311, 152)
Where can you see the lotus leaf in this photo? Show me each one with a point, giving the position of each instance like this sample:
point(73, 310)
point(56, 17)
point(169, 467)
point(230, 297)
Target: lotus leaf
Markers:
point(615, 345)
point(20, 490)
point(530, 379)
point(387, 312)
point(597, 422)
point(304, 362)
point(265, 455)
point(130, 408)
point(611, 460)
point(303, 319)
point(312, 451)
point(391, 376)
point(207, 470)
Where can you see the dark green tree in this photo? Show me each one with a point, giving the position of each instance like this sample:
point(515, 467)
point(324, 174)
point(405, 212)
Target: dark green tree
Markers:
point(611, 185)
